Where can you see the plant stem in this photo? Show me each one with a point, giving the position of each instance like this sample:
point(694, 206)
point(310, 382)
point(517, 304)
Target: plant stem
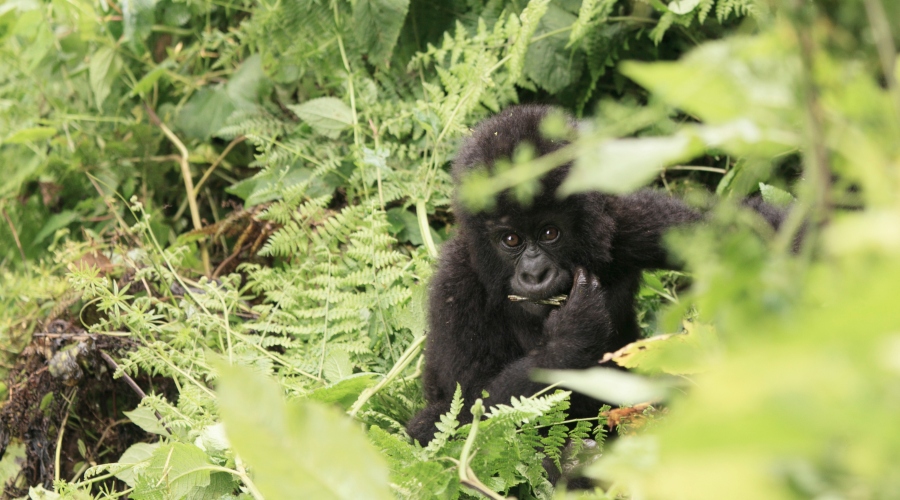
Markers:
point(466, 475)
point(405, 359)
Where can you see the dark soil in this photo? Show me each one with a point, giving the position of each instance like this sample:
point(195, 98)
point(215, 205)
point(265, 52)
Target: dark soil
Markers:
point(61, 379)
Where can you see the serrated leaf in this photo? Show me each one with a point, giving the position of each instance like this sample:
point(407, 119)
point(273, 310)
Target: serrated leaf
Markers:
point(30, 134)
point(146, 419)
point(376, 24)
point(297, 450)
point(136, 453)
point(327, 115)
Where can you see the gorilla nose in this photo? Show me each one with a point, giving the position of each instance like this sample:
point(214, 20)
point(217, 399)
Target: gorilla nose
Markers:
point(537, 279)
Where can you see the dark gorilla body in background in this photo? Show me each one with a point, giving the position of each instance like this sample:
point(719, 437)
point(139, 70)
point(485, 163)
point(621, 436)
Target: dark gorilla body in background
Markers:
point(480, 339)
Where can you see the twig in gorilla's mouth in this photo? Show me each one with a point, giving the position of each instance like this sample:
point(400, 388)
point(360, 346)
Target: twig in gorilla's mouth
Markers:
point(556, 300)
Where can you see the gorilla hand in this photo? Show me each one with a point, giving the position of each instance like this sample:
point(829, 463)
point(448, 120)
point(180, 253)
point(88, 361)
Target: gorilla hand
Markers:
point(577, 331)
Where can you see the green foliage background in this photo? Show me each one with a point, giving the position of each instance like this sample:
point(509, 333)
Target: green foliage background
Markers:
point(308, 142)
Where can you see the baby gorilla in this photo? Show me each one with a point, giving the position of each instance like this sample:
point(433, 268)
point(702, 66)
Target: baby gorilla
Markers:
point(590, 246)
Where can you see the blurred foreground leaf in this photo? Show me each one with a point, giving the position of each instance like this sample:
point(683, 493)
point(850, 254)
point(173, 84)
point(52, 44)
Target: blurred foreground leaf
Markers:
point(297, 450)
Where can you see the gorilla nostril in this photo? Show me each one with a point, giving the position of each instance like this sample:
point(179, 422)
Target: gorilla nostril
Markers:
point(537, 278)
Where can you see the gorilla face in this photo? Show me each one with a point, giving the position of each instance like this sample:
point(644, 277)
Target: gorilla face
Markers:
point(534, 247)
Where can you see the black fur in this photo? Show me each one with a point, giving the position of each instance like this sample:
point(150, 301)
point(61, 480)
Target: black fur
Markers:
point(479, 338)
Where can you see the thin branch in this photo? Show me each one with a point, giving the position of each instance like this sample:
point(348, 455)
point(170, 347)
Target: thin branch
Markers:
point(405, 359)
point(884, 43)
point(209, 171)
point(188, 181)
point(15, 235)
point(131, 383)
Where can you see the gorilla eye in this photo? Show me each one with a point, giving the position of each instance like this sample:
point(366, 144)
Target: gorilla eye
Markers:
point(549, 233)
point(511, 240)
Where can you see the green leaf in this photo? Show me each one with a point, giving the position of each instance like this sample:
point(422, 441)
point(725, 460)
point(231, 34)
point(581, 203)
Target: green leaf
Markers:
point(549, 63)
point(179, 470)
point(623, 165)
point(683, 6)
point(137, 18)
point(345, 392)
point(30, 134)
point(269, 184)
point(136, 453)
point(376, 24)
point(12, 462)
point(606, 384)
point(146, 419)
point(103, 70)
point(327, 115)
point(774, 196)
point(248, 85)
point(56, 221)
point(205, 113)
point(337, 365)
point(297, 450)
point(146, 83)
point(678, 354)
point(530, 20)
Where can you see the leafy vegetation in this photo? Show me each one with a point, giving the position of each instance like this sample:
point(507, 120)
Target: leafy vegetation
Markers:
point(234, 209)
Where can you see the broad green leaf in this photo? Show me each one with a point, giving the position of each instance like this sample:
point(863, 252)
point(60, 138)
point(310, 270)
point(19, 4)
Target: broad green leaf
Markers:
point(346, 391)
point(297, 450)
point(327, 115)
point(337, 365)
point(696, 89)
point(103, 70)
point(376, 25)
point(12, 462)
point(179, 470)
point(137, 18)
point(136, 453)
point(248, 85)
point(683, 6)
point(406, 226)
point(146, 419)
point(774, 196)
point(205, 113)
point(269, 184)
point(549, 63)
point(606, 384)
point(717, 84)
point(623, 165)
point(56, 221)
point(677, 354)
point(29, 134)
